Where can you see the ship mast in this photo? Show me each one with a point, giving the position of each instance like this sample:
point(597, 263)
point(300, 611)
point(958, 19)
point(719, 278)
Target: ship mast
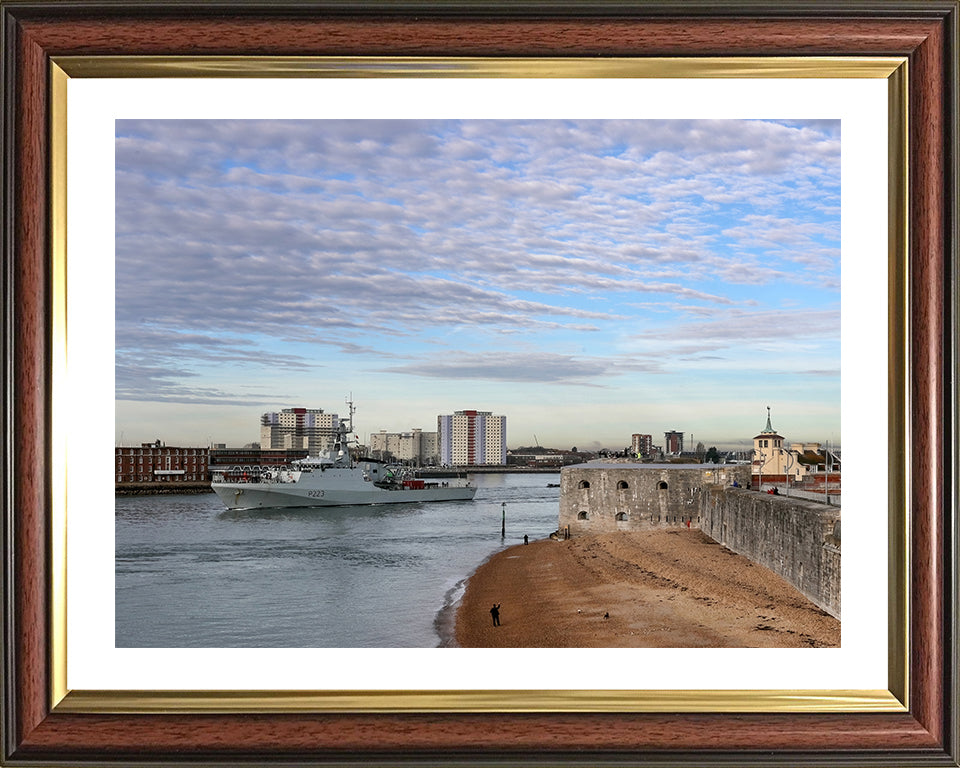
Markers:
point(351, 410)
point(346, 430)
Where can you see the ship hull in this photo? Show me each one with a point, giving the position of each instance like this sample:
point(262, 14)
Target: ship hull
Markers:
point(269, 495)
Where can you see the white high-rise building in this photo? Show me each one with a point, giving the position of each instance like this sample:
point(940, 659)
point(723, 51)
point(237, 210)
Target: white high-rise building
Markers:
point(472, 438)
point(305, 429)
point(415, 446)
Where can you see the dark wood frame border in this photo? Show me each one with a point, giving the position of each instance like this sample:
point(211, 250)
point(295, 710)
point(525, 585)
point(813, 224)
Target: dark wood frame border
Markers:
point(925, 31)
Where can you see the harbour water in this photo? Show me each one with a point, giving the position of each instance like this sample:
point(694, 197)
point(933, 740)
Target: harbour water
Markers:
point(190, 573)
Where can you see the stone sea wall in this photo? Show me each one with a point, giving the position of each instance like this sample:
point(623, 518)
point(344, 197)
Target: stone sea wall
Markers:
point(797, 539)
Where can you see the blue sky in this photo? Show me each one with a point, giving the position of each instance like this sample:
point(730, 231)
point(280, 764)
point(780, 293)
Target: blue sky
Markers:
point(587, 278)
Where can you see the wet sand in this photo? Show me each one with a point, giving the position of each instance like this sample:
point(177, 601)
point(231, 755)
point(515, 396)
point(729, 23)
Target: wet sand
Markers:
point(661, 589)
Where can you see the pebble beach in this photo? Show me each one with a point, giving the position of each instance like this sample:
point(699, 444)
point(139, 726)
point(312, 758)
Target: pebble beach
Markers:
point(656, 589)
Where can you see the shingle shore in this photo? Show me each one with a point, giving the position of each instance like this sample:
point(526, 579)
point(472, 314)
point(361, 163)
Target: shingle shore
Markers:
point(657, 589)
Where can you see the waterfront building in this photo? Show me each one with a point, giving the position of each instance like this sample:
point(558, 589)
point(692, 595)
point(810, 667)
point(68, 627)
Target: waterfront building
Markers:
point(301, 429)
point(158, 463)
point(415, 447)
point(641, 445)
point(806, 464)
point(472, 438)
point(673, 443)
point(545, 458)
point(221, 456)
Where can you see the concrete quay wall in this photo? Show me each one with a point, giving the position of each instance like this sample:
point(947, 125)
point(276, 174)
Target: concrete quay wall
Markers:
point(797, 539)
point(161, 489)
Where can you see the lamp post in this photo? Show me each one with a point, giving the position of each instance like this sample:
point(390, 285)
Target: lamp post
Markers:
point(826, 472)
point(786, 469)
point(763, 458)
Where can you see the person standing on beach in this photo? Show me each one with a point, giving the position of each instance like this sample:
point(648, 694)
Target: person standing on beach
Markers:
point(495, 612)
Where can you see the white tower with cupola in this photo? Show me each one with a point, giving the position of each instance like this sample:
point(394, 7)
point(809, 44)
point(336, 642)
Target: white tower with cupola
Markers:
point(769, 456)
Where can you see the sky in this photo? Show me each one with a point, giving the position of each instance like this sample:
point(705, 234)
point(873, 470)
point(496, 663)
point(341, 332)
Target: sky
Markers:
point(588, 279)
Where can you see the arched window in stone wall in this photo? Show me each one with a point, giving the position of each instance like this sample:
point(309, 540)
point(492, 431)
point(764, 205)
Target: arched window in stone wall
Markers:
point(662, 485)
point(584, 484)
point(623, 485)
point(581, 516)
point(621, 517)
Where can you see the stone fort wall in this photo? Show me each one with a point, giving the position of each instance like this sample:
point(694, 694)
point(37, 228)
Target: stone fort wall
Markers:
point(599, 498)
point(797, 539)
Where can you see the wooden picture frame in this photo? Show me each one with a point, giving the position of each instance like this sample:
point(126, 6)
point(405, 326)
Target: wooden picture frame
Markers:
point(37, 730)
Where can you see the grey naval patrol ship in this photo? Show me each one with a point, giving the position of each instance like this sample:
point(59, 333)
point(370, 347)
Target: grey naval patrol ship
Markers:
point(332, 480)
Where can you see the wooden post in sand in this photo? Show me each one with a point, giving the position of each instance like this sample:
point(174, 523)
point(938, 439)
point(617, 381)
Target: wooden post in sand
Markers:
point(503, 521)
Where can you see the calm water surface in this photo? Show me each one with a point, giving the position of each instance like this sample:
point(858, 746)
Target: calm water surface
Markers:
point(190, 573)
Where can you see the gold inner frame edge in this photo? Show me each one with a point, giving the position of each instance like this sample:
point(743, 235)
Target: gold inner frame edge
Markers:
point(370, 701)
point(413, 66)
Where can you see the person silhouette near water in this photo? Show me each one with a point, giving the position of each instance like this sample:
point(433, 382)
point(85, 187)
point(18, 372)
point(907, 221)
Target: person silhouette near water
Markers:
point(495, 612)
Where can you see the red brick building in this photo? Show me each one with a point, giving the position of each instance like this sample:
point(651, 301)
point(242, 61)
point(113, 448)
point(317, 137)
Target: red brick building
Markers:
point(673, 443)
point(159, 463)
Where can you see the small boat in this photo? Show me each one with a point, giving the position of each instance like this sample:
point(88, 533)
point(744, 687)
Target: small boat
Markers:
point(332, 481)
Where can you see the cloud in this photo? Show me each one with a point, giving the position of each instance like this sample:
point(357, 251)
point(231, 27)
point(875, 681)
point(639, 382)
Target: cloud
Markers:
point(525, 368)
point(825, 372)
point(775, 339)
point(275, 244)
